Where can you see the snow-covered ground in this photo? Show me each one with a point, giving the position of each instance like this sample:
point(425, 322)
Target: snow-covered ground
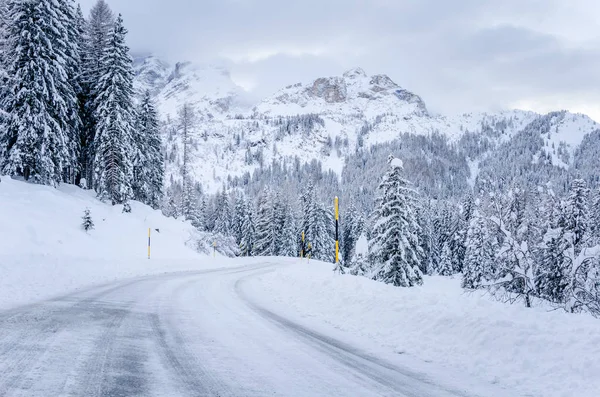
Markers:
point(44, 251)
point(534, 352)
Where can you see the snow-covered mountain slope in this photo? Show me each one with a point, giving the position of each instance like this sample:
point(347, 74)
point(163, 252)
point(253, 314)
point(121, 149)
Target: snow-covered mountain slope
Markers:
point(325, 119)
point(209, 89)
point(44, 250)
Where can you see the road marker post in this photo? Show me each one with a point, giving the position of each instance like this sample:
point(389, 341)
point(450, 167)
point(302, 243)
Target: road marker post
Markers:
point(149, 242)
point(337, 241)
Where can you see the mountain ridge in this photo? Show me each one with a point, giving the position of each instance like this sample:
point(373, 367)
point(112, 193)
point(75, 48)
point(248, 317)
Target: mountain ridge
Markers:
point(326, 119)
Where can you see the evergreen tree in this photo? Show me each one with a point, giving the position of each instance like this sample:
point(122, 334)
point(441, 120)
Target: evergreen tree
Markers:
point(289, 234)
point(552, 275)
point(96, 32)
point(149, 169)
point(114, 113)
point(479, 255)
point(187, 120)
point(576, 214)
point(88, 223)
point(445, 267)
point(352, 225)
point(37, 130)
point(394, 247)
point(222, 214)
point(595, 218)
point(247, 241)
point(239, 214)
point(265, 228)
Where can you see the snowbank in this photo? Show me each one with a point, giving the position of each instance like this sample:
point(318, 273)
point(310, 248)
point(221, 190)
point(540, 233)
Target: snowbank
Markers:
point(531, 351)
point(44, 251)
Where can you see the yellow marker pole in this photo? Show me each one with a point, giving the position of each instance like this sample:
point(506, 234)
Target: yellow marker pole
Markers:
point(302, 248)
point(149, 243)
point(337, 218)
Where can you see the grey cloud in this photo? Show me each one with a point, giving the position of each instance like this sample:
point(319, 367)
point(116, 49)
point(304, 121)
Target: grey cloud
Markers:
point(456, 54)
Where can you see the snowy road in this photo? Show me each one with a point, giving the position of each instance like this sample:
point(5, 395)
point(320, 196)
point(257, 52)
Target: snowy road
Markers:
point(186, 334)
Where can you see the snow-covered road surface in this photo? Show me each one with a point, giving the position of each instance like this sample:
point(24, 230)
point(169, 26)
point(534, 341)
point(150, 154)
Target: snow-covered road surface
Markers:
point(186, 334)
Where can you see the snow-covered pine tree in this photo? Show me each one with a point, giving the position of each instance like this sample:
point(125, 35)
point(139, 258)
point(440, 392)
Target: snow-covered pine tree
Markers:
point(187, 122)
point(36, 143)
point(359, 264)
point(222, 214)
point(149, 175)
point(247, 242)
point(352, 225)
point(445, 266)
point(87, 222)
point(324, 234)
point(552, 273)
point(239, 214)
point(265, 227)
point(114, 115)
point(97, 32)
point(479, 255)
point(394, 247)
point(466, 213)
point(289, 235)
point(595, 218)
point(576, 214)
point(71, 44)
point(279, 209)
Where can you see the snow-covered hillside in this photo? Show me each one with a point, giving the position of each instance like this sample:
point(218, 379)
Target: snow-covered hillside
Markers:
point(325, 119)
point(44, 250)
point(526, 352)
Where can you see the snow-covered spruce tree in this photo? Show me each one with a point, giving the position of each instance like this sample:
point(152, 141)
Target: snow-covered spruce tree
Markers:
point(352, 225)
point(97, 32)
point(466, 213)
point(39, 98)
point(289, 234)
point(87, 222)
point(576, 214)
point(394, 247)
point(247, 242)
point(479, 256)
point(265, 228)
point(359, 264)
point(222, 214)
point(323, 232)
point(114, 115)
point(595, 218)
point(72, 44)
point(149, 171)
point(187, 123)
point(239, 214)
point(553, 272)
point(445, 265)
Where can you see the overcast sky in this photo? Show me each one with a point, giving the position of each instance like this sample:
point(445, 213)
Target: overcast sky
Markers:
point(459, 55)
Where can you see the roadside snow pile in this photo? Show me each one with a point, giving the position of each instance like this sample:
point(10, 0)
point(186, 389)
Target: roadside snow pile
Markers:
point(44, 250)
point(532, 351)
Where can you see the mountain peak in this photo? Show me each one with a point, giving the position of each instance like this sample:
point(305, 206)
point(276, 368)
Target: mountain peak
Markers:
point(355, 73)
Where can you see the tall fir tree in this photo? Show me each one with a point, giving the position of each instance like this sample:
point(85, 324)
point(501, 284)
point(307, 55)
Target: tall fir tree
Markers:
point(248, 232)
point(149, 172)
point(265, 237)
point(576, 214)
point(394, 249)
point(38, 127)
point(187, 122)
point(289, 234)
point(114, 113)
point(96, 31)
point(479, 256)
